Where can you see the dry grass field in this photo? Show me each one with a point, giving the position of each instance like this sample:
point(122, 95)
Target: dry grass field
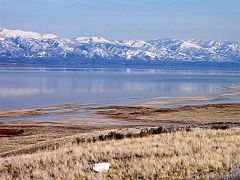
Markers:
point(197, 154)
point(35, 135)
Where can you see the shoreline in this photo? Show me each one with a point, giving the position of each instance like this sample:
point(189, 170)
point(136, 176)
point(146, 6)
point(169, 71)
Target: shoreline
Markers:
point(33, 129)
point(40, 134)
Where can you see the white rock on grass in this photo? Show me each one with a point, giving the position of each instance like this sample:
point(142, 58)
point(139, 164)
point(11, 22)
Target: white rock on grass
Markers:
point(233, 174)
point(101, 167)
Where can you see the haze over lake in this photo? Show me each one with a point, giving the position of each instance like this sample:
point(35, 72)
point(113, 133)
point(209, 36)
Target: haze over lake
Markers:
point(37, 87)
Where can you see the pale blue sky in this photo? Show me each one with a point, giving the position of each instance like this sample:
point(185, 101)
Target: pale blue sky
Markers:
point(126, 19)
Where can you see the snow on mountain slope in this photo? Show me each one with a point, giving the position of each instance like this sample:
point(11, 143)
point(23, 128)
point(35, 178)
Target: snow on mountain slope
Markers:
point(189, 45)
point(25, 34)
point(136, 43)
point(18, 44)
point(18, 33)
point(91, 40)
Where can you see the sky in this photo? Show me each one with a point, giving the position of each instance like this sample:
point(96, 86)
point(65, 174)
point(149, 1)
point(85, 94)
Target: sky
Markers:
point(126, 19)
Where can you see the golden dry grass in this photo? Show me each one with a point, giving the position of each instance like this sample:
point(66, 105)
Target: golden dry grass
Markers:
point(200, 154)
point(40, 139)
point(34, 135)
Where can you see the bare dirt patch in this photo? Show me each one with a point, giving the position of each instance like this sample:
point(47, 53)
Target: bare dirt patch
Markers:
point(195, 115)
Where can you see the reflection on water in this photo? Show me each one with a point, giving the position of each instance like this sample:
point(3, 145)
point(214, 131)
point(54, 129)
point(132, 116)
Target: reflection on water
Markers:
point(34, 87)
point(11, 92)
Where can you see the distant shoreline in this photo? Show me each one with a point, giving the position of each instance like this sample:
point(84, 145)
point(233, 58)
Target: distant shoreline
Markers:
point(122, 66)
point(125, 64)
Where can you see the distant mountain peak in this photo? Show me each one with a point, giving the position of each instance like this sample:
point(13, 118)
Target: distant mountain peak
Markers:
point(92, 40)
point(25, 34)
point(135, 43)
point(189, 44)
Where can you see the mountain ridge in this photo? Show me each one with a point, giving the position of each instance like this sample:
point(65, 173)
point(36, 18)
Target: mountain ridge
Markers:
point(26, 47)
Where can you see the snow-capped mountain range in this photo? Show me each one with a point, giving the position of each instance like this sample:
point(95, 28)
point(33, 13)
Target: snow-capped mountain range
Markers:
point(18, 46)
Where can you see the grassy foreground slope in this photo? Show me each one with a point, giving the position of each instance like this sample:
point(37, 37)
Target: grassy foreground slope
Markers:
point(181, 155)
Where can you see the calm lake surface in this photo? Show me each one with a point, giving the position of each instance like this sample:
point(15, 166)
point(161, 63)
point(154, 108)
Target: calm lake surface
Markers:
point(39, 87)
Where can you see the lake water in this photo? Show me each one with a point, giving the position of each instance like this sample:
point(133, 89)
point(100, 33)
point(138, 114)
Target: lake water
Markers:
point(39, 87)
